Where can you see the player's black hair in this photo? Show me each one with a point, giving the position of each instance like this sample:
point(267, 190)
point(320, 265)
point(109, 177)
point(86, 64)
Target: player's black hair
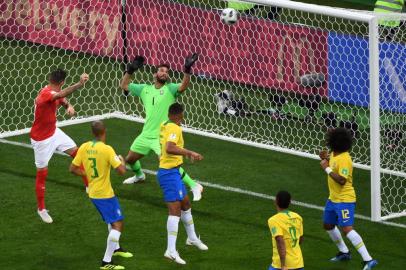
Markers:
point(283, 199)
point(98, 128)
point(57, 76)
point(162, 65)
point(339, 139)
point(175, 109)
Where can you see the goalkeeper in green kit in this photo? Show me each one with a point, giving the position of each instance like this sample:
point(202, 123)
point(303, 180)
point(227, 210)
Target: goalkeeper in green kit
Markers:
point(156, 99)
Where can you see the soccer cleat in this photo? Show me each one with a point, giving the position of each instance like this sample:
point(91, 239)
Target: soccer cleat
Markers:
point(369, 264)
point(174, 256)
point(198, 243)
point(122, 253)
point(134, 179)
point(197, 192)
point(45, 216)
point(111, 266)
point(341, 256)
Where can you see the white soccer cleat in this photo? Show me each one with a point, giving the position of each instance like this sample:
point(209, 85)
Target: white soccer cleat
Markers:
point(45, 216)
point(197, 192)
point(174, 256)
point(198, 243)
point(134, 179)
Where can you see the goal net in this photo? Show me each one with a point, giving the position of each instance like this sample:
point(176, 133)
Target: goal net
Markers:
point(277, 79)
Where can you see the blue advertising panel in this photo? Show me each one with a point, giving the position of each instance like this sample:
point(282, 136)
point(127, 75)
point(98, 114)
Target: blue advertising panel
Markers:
point(348, 71)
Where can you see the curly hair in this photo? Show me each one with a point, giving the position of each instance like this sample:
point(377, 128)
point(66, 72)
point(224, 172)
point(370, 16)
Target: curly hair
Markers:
point(339, 139)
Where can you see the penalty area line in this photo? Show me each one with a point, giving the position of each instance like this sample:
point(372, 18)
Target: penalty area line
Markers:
point(236, 190)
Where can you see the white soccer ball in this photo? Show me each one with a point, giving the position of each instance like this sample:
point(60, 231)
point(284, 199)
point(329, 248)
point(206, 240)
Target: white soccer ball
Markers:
point(229, 16)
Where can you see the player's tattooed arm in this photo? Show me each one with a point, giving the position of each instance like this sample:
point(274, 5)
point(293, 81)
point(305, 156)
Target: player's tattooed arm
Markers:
point(70, 89)
point(69, 108)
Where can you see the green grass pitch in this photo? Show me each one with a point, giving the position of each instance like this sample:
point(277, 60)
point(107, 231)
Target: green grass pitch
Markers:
point(233, 225)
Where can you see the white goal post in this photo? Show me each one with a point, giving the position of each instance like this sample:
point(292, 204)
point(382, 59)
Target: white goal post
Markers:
point(277, 79)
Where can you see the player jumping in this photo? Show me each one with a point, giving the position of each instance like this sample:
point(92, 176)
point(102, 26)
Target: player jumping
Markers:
point(156, 99)
point(340, 206)
point(97, 158)
point(170, 181)
point(46, 138)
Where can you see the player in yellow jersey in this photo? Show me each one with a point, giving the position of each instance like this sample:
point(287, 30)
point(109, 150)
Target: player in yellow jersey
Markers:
point(340, 206)
point(97, 158)
point(170, 181)
point(287, 235)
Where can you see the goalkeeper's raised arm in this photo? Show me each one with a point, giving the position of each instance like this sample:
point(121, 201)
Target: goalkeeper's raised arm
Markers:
point(136, 64)
point(187, 69)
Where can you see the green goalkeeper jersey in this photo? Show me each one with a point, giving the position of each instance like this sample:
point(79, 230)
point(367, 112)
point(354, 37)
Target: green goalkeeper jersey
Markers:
point(156, 104)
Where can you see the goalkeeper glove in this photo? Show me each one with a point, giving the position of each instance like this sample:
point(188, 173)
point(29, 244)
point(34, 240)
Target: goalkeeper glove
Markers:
point(189, 62)
point(136, 64)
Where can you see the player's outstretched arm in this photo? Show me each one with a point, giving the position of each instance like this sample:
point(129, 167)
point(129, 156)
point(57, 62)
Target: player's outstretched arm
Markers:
point(136, 64)
point(172, 149)
point(69, 90)
point(189, 62)
point(76, 170)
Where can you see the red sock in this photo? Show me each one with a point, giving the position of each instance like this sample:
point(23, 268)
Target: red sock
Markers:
point(84, 178)
point(40, 188)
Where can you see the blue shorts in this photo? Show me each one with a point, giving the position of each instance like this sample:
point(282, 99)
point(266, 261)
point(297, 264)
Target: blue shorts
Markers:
point(171, 184)
point(341, 214)
point(271, 268)
point(109, 209)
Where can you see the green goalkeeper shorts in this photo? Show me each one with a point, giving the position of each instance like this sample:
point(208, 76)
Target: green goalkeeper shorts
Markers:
point(143, 145)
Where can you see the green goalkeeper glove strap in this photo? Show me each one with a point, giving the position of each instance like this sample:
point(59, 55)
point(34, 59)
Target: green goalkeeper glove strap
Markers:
point(186, 178)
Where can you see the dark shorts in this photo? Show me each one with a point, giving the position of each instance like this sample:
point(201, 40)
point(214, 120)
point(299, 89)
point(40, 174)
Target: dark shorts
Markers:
point(171, 184)
point(109, 209)
point(341, 214)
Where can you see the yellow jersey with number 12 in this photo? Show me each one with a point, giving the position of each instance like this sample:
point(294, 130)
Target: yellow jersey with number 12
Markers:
point(97, 158)
point(289, 225)
point(170, 132)
point(341, 164)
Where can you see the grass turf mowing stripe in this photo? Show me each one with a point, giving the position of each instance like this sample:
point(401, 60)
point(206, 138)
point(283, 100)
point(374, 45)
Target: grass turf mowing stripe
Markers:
point(236, 190)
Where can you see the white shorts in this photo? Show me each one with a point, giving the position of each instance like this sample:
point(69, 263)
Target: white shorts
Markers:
point(43, 150)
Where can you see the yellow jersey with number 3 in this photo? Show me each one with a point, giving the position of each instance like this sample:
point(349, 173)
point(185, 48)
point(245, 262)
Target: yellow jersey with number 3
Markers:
point(289, 225)
point(97, 158)
point(341, 164)
point(170, 132)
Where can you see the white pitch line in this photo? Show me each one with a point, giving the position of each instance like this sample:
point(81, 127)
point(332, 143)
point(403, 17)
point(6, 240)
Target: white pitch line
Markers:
point(238, 190)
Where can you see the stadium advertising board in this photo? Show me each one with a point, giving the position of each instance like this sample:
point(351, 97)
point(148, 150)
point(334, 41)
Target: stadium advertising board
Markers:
point(91, 26)
point(349, 72)
point(257, 52)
